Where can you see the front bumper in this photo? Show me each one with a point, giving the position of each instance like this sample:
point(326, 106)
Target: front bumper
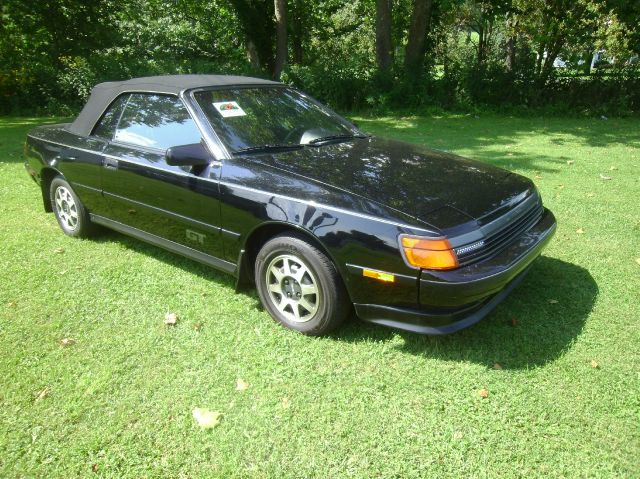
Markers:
point(455, 299)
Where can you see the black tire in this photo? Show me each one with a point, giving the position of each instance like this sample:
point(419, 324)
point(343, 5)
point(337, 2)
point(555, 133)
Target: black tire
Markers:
point(71, 214)
point(310, 268)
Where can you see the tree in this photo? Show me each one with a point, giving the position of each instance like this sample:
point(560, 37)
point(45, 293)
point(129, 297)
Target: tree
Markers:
point(297, 20)
point(280, 7)
point(511, 28)
point(417, 37)
point(552, 25)
point(384, 46)
point(260, 33)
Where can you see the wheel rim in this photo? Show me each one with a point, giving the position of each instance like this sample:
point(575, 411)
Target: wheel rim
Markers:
point(292, 288)
point(66, 208)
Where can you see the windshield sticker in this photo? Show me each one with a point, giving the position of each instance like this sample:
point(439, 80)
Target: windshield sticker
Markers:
point(228, 109)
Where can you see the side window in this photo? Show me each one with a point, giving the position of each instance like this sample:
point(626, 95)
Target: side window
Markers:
point(106, 127)
point(156, 121)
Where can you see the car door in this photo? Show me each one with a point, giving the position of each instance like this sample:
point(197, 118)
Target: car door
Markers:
point(178, 205)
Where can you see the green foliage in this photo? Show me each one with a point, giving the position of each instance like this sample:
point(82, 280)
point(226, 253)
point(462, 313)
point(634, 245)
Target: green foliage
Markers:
point(478, 53)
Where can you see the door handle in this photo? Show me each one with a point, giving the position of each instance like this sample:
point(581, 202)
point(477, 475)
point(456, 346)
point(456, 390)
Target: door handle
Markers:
point(110, 163)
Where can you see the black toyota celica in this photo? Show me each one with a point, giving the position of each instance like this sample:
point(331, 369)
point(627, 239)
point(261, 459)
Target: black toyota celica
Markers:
point(259, 180)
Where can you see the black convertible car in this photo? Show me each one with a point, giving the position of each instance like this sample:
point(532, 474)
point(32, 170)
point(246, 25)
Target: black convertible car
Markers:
point(257, 179)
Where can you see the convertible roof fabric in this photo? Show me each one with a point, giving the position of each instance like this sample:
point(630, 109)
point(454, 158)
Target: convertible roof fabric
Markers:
point(104, 93)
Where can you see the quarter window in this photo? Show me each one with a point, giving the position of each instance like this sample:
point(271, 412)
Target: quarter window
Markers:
point(156, 121)
point(106, 127)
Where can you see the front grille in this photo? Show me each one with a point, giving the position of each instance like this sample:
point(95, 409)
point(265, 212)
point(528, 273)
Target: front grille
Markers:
point(498, 240)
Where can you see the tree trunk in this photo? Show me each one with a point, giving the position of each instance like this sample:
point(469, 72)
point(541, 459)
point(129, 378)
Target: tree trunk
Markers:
point(541, 49)
point(588, 58)
point(511, 53)
point(252, 55)
point(512, 25)
point(260, 34)
point(416, 41)
point(481, 41)
point(384, 48)
point(297, 33)
point(281, 37)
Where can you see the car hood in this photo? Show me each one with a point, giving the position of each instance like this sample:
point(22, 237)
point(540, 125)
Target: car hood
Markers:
point(435, 187)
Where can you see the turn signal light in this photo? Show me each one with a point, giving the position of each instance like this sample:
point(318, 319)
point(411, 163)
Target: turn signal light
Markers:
point(428, 253)
point(379, 275)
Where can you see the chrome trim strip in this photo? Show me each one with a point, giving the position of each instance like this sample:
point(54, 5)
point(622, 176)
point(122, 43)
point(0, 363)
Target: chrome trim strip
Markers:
point(97, 190)
point(231, 234)
point(171, 214)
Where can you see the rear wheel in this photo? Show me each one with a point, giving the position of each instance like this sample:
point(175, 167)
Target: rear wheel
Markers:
point(299, 286)
point(69, 210)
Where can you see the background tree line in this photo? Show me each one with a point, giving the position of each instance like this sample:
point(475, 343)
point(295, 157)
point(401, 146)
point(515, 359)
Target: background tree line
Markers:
point(353, 54)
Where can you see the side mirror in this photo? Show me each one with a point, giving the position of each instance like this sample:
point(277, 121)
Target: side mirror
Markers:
point(188, 155)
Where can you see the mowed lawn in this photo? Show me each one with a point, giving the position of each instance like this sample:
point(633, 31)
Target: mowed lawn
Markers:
point(92, 382)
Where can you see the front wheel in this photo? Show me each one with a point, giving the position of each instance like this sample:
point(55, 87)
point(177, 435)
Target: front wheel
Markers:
point(299, 286)
point(69, 210)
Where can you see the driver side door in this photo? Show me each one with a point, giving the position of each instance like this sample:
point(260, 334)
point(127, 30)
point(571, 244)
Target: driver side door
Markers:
point(174, 207)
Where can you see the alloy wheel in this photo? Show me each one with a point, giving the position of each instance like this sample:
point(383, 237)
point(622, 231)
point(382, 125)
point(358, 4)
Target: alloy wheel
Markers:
point(293, 288)
point(66, 208)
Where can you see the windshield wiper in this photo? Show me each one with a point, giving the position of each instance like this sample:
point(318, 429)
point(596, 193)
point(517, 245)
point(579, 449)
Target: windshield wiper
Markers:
point(324, 139)
point(267, 149)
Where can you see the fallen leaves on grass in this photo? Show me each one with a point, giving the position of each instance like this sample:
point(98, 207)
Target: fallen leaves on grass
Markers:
point(286, 404)
point(538, 177)
point(514, 322)
point(604, 177)
point(591, 195)
point(40, 395)
point(206, 419)
point(580, 231)
point(94, 468)
point(484, 393)
point(170, 319)
point(197, 326)
point(594, 364)
point(58, 250)
point(66, 342)
point(497, 366)
point(13, 304)
point(241, 385)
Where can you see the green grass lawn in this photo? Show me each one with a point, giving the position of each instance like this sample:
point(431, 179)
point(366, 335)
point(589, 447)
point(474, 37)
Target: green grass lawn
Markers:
point(365, 402)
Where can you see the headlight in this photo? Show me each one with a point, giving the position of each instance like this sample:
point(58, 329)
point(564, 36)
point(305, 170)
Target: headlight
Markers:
point(428, 253)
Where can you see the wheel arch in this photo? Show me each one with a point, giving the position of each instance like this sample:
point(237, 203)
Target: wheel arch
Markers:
point(47, 174)
point(263, 233)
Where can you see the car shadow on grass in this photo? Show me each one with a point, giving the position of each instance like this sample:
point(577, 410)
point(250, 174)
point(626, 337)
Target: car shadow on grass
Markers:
point(172, 259)
point(537, 323)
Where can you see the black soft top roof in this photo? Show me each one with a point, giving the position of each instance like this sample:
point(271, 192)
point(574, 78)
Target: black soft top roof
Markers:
point(104, 93)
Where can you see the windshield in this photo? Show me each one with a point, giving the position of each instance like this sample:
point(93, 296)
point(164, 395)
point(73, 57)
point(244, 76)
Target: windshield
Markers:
point(252, 119)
